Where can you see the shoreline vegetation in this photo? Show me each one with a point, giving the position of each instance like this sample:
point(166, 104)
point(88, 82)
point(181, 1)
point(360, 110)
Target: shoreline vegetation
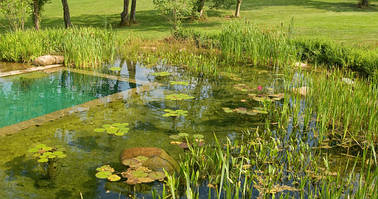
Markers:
point(238, 43)
point(319, 134)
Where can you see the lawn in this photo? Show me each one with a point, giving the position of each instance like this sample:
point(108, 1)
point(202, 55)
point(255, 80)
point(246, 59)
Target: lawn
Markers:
point(339, 20)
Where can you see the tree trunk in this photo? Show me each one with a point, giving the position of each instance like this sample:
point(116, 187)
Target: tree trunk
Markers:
point(66, 14)
point(364, 3)
point(125, 13)
point(36, 14)
point(201, 5)
point(132, 12)
point(238, 4)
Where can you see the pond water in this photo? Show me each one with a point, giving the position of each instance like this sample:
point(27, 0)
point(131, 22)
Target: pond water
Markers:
point(143, 109)
point(23, 97)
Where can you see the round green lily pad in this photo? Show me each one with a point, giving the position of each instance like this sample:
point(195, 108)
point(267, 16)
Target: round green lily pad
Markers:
point(103, 174)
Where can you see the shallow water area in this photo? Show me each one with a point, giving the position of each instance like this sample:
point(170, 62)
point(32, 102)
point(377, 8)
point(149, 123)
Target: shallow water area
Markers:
point(143, 109)
point(7, 66)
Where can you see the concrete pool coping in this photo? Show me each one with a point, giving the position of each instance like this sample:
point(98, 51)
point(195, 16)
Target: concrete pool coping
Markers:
point(29, 70)
point(37, 121)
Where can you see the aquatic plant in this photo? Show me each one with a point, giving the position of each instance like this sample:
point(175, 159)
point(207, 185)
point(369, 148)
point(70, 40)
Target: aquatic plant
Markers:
point(115, 69)
point(81, 47)
point(107, 172)
point(44, 153)
point(175, 113)
point(178, 97)
point(47, 157)
point(117, 129)
point(178, 83)
point(139, 175)
point(161, 74)
point(242, 110)
point(184, 140)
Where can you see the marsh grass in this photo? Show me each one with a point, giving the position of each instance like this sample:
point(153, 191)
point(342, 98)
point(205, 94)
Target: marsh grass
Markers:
point(81, 47)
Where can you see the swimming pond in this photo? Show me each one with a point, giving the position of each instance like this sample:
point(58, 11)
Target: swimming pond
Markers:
point(26, 96)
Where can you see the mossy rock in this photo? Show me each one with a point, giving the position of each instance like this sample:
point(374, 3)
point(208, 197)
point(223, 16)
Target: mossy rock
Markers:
point(158, 159)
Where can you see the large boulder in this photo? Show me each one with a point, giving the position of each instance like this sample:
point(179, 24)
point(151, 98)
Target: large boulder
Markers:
point(48, 60)
point(156, 159)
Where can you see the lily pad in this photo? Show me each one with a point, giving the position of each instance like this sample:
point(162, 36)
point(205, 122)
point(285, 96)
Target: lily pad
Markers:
point(115, 69)
point(117, 129)
point(99, 130)
point(175, 113)
point(161, 74)
point(114, 178)
point(227, 110)
point(179, 83)
point(103, 174)
point(105, 168)
point(178, 97)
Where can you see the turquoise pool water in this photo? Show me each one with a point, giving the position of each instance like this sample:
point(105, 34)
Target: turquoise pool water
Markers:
point(27, 96)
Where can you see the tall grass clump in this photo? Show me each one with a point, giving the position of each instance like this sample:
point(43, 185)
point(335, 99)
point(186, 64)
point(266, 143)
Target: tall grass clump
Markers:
point(330, 54)
point(243, 43)
point(81, 47)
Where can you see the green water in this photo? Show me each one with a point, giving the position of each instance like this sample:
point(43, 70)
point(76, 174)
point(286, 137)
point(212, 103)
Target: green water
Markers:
point(86, 150)
point(27, 96)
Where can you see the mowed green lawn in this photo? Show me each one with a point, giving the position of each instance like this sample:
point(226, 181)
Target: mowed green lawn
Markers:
point(339, 20)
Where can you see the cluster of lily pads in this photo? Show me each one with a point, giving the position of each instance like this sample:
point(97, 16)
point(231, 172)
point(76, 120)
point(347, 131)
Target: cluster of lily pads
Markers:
point(117, 129)
point(107, 172)
point(161, 74)
point(178, 97)
point(175, 113)
point(184, 140)
point(44, 153)
point(179, 83)
point(135, 174)
point(242, 110)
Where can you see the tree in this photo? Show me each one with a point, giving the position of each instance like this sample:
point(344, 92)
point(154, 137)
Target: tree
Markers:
point(132, 12)
point(37, 8)
point(125, 13)
point(66, 14)
point(237, 11)
point(200, 7)
point(364, 3)
point(228, 4)
point(175, 10)
point(15, 12)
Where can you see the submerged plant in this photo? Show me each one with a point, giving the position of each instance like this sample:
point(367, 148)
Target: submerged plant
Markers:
point(178, 97)
point(175, 113)
point(117, 129)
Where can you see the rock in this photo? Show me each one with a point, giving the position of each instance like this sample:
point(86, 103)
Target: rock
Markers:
point(48, 60)
point(157, 160)
point(302, 90)
point(300, 64)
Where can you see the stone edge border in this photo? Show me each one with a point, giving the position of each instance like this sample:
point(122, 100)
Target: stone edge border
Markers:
point(29, 70)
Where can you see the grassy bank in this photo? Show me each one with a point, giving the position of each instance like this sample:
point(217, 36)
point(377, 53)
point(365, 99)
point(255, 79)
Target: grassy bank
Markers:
point(81, 47)
point(338, 20)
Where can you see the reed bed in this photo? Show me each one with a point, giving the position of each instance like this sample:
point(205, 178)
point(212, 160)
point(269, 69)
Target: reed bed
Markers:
point(81, 47)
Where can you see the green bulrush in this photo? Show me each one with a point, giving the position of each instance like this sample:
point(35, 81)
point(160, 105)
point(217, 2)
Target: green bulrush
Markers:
point(81, 47)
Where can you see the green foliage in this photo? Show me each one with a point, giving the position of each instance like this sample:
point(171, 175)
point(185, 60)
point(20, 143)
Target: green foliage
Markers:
point(175, 10)
point(178, 97)
point(117, 129)
point(45, 153)
point(81, 47)
point(333, 55)
point(175, 113)
point(222, 3)
point(161, 74)
point(16, 12)
point(107, 172)
point(179, 83)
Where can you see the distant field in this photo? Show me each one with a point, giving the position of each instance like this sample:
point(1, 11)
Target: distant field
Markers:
point(339, 20)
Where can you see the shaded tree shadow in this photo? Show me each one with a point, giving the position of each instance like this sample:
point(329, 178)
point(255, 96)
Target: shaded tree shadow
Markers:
point(330, 6)
point(21, 166)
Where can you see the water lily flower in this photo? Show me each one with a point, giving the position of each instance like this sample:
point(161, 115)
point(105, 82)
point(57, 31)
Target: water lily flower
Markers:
point(259, 88)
